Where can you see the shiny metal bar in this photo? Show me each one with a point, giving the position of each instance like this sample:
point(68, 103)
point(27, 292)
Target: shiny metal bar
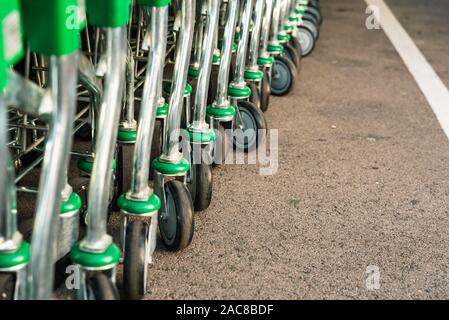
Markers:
point(265, 33)
point(255, 36)
point(63, 79)
point(226, 54)
point(239, 79)
point(199, 112)
point(10, 238)
point(97, 239)
point(157, 28)
point(184, 46)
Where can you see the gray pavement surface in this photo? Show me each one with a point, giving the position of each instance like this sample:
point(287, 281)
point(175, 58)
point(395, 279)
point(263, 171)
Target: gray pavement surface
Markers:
point(362, 180)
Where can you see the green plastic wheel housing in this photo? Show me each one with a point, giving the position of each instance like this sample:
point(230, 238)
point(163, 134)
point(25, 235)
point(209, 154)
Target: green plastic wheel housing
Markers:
point(139, 207)
point(239, 93)
point(16, 258)
point(52, 27)
point(86, 164)
point(11, 44)
point(169, 168)
point(73, 203)
point(108, 13)
point(201, 137)
point(126, 136)
point(109, 257)
point(253, 75)
point(162, 110)
point(218, 113)
point(268, 61)
point(275, 49)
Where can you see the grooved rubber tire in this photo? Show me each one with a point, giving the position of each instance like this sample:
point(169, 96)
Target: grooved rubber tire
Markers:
point(177, 229)
point(284, 76)
point(100, 287)
point(135, 263)
point(291, 53)
point(255, 95)
point(201, 186)
point(265, 92)
point(7, 284)
point(156, 145)
point(253, 119)
point(306, 40)
point(294, 42)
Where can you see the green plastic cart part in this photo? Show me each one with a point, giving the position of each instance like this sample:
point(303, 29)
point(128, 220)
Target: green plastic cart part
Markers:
point(193, 73)
point(52, 27)
point(162, 110)
point(253, 75)
point(187, 90)
point(16, 258)
point(289, 29)
point(275, 49)
point(220, 113)
point(300, 11)
point(154, 3)
point(216, 59)
point(293, 19)
point(283, 37)
point(153, 204)
point(201, 137)
point(239, 92)
point(86, 164)
point(73, 203)
point(265, 62)
point(126, 136)
point(110, 256)
point(236, 36)
point(235, 46)
point(108, 13)
point(169, 168)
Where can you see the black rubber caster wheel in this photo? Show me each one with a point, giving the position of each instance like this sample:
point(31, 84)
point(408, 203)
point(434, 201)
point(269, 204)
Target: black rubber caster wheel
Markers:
point(220, 148)
point(291, 53)
point(265, 91)
point(7, 286)
point(125, 157)
point(283, 77)
point(213, 85)
point(135, 262)
point(315, 12)
point(311, 18)
point(200, 185)
point(255, 94)
point(156, 145)
point(177, 223)
point(253, 121)
point(306, 39)
point(296, 45)
point(100, 287)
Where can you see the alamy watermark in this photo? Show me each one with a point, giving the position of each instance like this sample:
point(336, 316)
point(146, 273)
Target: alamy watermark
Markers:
point(372, 281)
point(373, 20)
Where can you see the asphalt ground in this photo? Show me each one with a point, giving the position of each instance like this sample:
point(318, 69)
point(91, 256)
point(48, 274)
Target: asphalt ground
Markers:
point(362, 180)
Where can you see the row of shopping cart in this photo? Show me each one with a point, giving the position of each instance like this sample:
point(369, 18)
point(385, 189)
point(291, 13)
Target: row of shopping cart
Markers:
point(122, 108)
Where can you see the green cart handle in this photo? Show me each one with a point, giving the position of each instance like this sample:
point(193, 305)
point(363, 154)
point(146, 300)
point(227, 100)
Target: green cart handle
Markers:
point(52, 27)
point(154, 3)
point(108, 13)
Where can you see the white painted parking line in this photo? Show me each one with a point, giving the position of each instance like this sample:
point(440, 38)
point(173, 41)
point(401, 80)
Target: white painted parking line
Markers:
point(425, 76)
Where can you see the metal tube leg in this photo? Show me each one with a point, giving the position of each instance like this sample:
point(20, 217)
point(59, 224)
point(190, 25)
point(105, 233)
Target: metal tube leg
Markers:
point(63, 79)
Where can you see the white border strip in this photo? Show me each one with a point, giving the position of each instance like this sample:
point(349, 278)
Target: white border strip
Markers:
point(425, 76)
